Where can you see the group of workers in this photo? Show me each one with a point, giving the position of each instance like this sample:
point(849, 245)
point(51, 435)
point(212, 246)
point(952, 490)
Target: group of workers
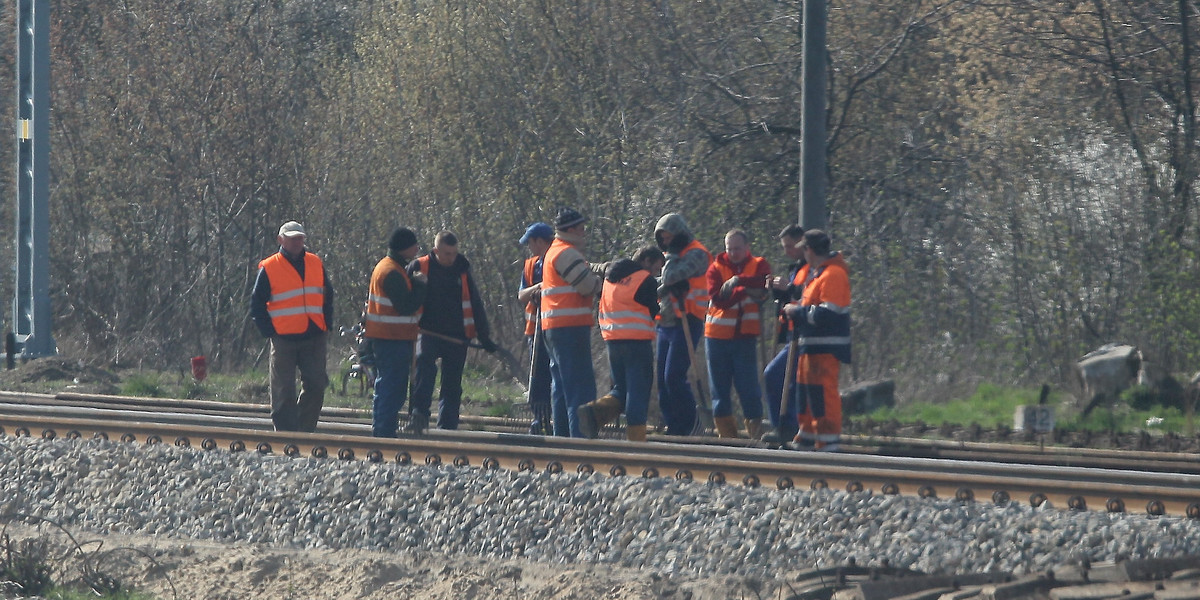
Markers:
point(653, 310)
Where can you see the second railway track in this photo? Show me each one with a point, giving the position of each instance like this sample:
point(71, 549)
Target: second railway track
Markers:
point(1077, 479)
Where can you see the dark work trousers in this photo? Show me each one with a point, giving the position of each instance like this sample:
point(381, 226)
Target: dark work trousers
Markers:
point(454, 357)
point(289, 411)
point(393, 360)
point(539, 386)
point(773, 377)
point(675, 397)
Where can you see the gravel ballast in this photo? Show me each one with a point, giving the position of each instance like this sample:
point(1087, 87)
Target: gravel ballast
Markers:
point(668, 526)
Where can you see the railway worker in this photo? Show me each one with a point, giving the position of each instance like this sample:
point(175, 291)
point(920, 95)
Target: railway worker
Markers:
point(628, 306)
point(451, 316)
point(537, 238)
point(822, 328)
point(786, 288)
point(737, 285)
point(569, 286)
point(683, 300)
point(292, 305)
point(393, 312)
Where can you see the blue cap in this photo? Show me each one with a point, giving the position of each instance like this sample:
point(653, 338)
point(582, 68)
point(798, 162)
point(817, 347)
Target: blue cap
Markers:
point(537, 230)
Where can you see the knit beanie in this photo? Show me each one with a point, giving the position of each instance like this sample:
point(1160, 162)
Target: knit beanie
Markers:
point(402, 239)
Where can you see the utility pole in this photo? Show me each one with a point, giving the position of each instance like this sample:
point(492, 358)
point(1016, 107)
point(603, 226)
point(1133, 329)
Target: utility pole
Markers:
point(812, 126)
point(30, 332)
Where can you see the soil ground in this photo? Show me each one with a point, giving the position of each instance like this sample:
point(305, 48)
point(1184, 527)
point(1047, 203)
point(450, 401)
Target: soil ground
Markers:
point(173, 568)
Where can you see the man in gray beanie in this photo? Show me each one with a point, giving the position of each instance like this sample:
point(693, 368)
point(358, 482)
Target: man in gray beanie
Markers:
point(394, 302)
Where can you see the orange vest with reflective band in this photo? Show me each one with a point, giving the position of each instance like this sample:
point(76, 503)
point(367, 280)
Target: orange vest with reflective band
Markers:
point(293, 303)
point(696, 302)
point(531, 307)
point(383, 321)
point(562, 306)
point(468, 312)
point(622, 317)
point(740, 320)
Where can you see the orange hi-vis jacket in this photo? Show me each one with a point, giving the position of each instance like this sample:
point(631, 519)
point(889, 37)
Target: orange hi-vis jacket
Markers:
point(622, 317)
point(740, 320)
point(468, 311)
point(696, 302)
point(824, 326)
point(531, 307)
point(562, 304)
point(293, 302)
point(383, 322)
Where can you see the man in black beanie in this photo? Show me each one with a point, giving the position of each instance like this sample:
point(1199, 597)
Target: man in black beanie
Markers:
point(394, 302)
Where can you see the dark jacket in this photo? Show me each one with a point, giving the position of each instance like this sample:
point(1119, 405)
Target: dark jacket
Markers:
point(646, 294)
point(262, 293)
point(443, 299)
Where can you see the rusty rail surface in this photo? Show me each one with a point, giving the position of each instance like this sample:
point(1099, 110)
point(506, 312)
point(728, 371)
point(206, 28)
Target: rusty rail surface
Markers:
point(983, 472)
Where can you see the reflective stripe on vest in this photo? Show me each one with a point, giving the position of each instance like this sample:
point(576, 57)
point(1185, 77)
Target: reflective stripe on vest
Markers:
point(562, 305)
point(293, 303)
point(468, 312)
point(622, 317)
point(531, 307)
point(740, 320)
point(696, 301)
point(383, 322)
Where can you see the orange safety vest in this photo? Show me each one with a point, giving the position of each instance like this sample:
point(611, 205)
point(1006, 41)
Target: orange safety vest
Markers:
point(293, 303)
point(740, 320)
point(562, 306)
point(696, 301)
point(468, 311)
point(531, 307)
point(621, 317)
point(383, 322)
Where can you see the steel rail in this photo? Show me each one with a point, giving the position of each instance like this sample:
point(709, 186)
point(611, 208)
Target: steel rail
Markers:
point(1071, 487)
point(353, 421)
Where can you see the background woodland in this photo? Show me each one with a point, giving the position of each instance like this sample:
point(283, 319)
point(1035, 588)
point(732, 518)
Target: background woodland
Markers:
point(1013, 181)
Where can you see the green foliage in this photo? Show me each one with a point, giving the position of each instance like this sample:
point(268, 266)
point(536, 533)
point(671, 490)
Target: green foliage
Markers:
point(989, 406)
point(144, 384)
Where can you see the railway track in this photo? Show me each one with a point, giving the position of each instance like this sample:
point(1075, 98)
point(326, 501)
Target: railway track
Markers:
point(1070, 478)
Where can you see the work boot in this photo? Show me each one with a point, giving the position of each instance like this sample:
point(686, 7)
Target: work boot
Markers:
point(417, 423)
point(726, 427)
point(754, 428)
point(636, 433)
point(606, 409)
point(586, 418)
point(778, 436)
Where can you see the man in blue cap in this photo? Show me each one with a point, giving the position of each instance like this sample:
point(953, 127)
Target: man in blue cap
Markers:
point(537, 238)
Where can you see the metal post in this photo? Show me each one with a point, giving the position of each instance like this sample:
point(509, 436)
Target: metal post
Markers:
point(812, 127)
point(31, 306)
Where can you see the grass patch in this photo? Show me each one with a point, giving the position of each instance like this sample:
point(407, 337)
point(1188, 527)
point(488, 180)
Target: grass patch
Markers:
point(990, 406)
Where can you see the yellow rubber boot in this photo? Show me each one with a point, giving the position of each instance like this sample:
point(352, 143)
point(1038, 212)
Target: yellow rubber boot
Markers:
point(726, 427)
point(636, 433)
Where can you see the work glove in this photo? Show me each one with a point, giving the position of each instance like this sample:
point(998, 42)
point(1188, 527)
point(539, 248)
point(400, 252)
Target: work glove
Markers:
point(487, 344)
point(678, 289)
point(727, 287)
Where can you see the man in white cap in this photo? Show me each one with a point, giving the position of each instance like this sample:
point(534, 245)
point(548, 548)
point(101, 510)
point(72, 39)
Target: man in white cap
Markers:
point(292, 305)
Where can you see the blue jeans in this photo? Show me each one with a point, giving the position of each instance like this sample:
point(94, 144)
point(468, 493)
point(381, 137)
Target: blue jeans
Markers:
point(773, 376)
point(675, 397)
point(631, 363)
point(572, 381)
point(539, 385)
point(393, 360)
point(454, 358)
point(734, 364)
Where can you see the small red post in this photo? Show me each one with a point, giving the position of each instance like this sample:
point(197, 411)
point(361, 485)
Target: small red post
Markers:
point(199, 368)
